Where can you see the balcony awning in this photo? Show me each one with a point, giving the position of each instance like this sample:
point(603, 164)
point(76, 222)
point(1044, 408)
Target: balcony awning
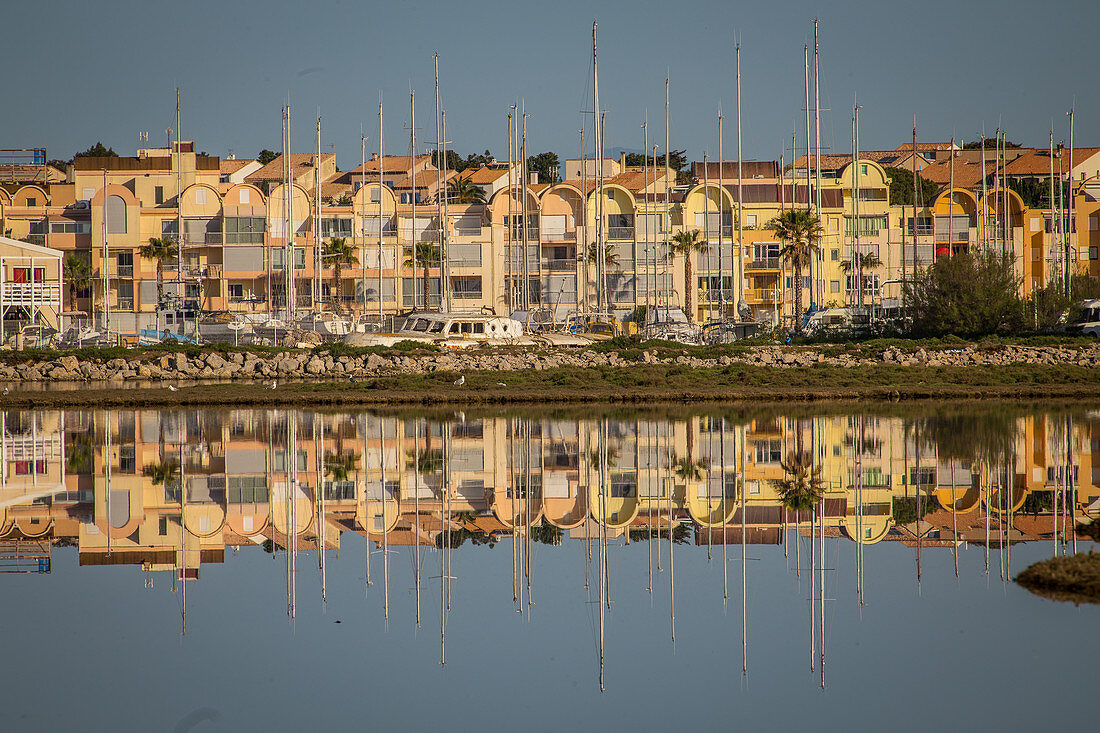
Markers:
point(258, 210)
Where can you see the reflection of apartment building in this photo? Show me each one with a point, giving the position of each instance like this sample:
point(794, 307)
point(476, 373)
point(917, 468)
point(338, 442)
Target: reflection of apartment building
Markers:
point(170, 491)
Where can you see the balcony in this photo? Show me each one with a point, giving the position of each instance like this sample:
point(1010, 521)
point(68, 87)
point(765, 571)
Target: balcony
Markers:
point(567, 265)
point(201, 238)
point(766, 263)
point(762, 297)
point(124, 271)
point(569, 236)
point(620, 232)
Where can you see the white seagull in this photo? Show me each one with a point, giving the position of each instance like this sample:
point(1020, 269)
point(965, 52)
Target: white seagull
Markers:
point(461, 380)
point(273, 385)
point(7, 390)
point(501, 384)
point(171, 388)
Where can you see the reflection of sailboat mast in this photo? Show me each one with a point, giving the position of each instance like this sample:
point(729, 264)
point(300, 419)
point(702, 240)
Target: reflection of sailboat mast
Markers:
point(183, 528)
point(416, 506)
point(671, 552)
point(744, 563)
point(602, 489)
point(725, 544)
point(385, 523)
point(320, 451)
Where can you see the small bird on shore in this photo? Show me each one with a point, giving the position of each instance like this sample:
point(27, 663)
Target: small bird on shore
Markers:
point(353, 380)
point(172, 388)
point(7, 390)
point(501, 384)
point(461, 380)
point(273, 385)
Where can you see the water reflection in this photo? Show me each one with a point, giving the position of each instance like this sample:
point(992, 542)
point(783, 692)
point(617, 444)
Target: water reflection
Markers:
point(170, 491)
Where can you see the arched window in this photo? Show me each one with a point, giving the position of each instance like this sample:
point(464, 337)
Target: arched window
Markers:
point(116, 215)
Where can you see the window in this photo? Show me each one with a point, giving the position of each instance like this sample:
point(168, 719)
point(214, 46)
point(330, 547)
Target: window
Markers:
point(32, 201)
point(768, 451)
point(466, 288)
point(926, 477)
point(834, 285)
point(375, 195)
point(769, 251)
point(236, 291)
point(116, 215)
point(1094, 223)
point(125, 264)
point(834, 255)
point(246, 196)
point(336, 227)
point(70, 227)
point(158, 194)
point(868, 225)
point(126, 295)
point(26, 468)
point(200, 197)
point(863, 169)
point(1092, 253)
point(127, 461)
point(169, 227)
point(244, 229)
point(162, 526)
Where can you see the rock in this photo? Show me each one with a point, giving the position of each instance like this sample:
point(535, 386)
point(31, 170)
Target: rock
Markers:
point(315, 365)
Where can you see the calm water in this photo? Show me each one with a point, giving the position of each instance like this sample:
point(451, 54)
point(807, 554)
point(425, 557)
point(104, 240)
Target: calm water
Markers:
point(169, 578)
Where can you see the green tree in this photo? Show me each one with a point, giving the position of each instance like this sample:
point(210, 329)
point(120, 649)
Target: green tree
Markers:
point(453, 159)
point(968, 295)
point(266, 156)
point(901, 187)
point(688, 468)
point(546, 165)
point(990, 142)
point(688, 245)
point(338, 253)
point(461, 190)
point(77, 274)
point(427, 256)
point(863, 261)
point(546, 534)
point(160, 249)
point(99, 150)
point(800, 233)
point(1034, 192)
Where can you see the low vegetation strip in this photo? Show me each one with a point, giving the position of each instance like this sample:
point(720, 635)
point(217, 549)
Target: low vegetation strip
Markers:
point(628, 383)
point(1075, 578)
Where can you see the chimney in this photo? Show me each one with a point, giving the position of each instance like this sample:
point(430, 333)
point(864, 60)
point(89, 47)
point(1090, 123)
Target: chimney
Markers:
point(532, 178)
point(622, 161)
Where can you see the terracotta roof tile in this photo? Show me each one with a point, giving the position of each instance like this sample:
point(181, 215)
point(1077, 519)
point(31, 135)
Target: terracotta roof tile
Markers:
point(273, 171)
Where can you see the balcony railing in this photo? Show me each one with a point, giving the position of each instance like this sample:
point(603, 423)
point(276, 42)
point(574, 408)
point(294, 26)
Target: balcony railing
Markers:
point(124, 271)
point(532, 233)
point(761, 296)
point(567, 265)
point(195, 238)
point(766, 263)
point(570, 236)
point(620, 232)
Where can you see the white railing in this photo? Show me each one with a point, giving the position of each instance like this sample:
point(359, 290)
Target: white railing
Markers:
point(31, 294)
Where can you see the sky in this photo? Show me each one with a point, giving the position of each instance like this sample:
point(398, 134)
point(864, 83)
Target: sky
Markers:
point(111, 73)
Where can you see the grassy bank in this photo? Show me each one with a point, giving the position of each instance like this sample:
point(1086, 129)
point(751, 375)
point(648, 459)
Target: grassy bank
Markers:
point(639, 383)
point(1075, 578)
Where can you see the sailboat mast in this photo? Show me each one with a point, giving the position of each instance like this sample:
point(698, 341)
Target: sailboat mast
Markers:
point(817, 145)
point(412, 195)
point(668, 204)
point(181, 289)
point(645, 217)
point(525, 239)
point(445, 272)
point(317, 226)
point(598, 159)
point(381, 227)
point(721, 220)
point(809, 164)
point(1072, 225)
point(511, 221)
point(740, 249)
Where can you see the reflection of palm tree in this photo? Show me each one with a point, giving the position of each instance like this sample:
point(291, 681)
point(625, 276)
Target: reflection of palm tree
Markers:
point(801, 488)
point(689, 469)
point(610, 258)
point(612, 457)
point(546, 534)
point(430, 461)
point(163, 473)
point(339, 465)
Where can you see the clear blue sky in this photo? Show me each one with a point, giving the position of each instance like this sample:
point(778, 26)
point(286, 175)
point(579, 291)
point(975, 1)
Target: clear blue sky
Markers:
point(78, 73)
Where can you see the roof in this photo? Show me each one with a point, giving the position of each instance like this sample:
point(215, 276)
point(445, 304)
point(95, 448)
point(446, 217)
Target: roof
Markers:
point(926, 146)
point(32, 248)
point(636, 180)
point(769, 193)
point(424, 179)
point(749, 169)
point(966, 175)
point(390, 163)
point(485, 174)
point(299, 162)
point(227, 167)
point(828, 162)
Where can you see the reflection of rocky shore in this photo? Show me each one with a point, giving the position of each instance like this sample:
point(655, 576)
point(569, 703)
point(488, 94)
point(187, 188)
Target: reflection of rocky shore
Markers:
point(245, 365)
point(1075, 578)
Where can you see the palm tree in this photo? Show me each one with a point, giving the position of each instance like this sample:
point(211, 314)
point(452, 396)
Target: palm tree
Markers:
point(160, 249)
point(339, 253)
point(688, 244)
point(800, 232)
point(461, 190)
point(609, 257)
point(863, 261)
point(78, 274)
point(427, 255)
